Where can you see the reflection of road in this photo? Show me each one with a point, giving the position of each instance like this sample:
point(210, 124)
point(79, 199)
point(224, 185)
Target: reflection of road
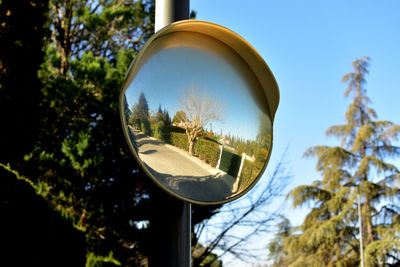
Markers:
point(185, 175)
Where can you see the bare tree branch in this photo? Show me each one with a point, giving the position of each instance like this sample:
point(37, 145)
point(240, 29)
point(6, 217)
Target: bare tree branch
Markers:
point(244, 220)
point(200, 109)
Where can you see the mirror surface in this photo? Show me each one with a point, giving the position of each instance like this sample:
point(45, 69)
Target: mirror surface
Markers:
point(196, 117)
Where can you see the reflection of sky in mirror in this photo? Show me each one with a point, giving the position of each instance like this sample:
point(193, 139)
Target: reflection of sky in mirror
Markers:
point(164, 76)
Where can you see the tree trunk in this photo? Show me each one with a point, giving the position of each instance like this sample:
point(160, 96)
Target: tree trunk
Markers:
point(191, 147)
point(368, 222)
point(367, 218)
point(191, 135)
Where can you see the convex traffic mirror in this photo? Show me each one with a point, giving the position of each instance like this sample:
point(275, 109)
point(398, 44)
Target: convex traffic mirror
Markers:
point(197, 108)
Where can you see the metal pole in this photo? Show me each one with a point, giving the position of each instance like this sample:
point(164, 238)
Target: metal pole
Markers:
point(170, 231)
point(170, 222)
point(168, 11)
point(360, 224)
point(351, 184)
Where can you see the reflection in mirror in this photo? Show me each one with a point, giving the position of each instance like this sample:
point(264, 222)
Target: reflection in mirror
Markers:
point(197, 118)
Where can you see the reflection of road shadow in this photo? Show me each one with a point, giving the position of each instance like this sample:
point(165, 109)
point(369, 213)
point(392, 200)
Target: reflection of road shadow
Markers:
point(149, 141)
point(201, 188)
point(147, 152)
point(143, 139)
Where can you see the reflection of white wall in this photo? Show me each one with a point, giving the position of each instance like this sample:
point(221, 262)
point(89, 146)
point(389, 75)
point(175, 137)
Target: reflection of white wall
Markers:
point(223, 140)
point(250, 158)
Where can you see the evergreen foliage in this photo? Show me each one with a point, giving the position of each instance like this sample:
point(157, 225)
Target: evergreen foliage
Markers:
point(329, 235)
point(22, 32)
point(275, 247)
point(179, 140)
point(67, 121)
point(180, 117)
point(207, 150)
point(32, 233)
point(61, 68)
point(82, 162)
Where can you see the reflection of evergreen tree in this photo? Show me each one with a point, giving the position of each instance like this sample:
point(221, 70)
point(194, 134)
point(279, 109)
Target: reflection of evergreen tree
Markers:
point(264, 132)
point(163, 115)
point(160, 123)
point(259, 147)
point(180, 116)
point(263, 138)
point(155, 125)
point(140, 115)
point(127, 111)
point(241, 145)
point(142, 109)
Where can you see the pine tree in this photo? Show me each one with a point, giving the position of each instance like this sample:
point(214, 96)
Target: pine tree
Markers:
point(143, 107)
point(330, 232)
point(71, 144)
point(80, 157)
point(22, 30)
point(276, 252)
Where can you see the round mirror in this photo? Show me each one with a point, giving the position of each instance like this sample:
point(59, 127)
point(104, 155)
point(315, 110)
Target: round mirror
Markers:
point(197, 109)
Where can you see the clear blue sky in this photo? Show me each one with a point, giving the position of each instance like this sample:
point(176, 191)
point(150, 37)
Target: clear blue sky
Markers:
point(309, 46)
point(181, 68)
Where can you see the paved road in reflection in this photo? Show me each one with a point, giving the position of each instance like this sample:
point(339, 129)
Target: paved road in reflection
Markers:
point(182, 173)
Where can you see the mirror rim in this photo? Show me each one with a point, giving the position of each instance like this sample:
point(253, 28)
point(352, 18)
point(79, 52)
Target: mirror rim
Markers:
point(249, 56)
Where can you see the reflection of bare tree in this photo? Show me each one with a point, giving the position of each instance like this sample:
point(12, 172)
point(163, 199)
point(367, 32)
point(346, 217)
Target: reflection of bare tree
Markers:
point(200, 109)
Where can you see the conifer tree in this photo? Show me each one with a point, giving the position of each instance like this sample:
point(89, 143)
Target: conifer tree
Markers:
point(66, 119)
point(330, 232)
point(80, 159)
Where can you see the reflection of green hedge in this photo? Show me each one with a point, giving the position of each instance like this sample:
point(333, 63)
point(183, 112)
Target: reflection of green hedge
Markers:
point(179, 140)
point(145, 127)
point(160, 131)
point(250, 170)
point(248, 173)
point(207, 151)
